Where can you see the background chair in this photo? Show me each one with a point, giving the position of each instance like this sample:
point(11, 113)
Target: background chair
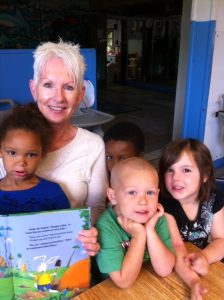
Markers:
point(6, 106)
point(219, 182)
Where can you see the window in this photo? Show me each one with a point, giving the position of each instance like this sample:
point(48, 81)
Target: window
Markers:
point(110, 41)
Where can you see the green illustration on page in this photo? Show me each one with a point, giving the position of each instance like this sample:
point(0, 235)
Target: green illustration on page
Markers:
point(40, 257)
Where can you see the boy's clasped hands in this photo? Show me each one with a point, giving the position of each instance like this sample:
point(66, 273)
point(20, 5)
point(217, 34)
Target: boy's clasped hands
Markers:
point(135, 229)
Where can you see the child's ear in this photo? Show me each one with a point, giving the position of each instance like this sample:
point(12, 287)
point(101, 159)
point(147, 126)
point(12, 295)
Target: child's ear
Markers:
point(111, 196)
point(205, 179)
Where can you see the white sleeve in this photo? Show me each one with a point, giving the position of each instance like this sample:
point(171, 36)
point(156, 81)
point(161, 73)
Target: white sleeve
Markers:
point(2, 169)
point(98, 184)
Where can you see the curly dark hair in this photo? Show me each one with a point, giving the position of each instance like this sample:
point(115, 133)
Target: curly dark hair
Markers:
point(127, 132)
point(29, 118)
point(202, 158)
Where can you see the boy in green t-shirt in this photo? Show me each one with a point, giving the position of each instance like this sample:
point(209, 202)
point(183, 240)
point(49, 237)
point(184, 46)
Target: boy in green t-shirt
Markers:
point(134, 228)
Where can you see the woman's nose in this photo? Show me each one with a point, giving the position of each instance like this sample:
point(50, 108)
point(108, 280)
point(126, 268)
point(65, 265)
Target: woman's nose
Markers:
point(59, 95)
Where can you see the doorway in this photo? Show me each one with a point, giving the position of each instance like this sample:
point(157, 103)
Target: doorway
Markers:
point(142, 63)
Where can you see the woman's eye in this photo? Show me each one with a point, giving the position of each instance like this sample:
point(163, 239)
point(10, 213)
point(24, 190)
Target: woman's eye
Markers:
point(187, 170)
point(47, 85)
point(69, 87)
point(169, 170)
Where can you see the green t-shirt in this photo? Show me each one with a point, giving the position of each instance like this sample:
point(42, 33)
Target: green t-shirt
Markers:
point(114, 241)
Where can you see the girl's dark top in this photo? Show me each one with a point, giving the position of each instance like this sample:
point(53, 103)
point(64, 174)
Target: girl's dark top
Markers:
point(196, 231)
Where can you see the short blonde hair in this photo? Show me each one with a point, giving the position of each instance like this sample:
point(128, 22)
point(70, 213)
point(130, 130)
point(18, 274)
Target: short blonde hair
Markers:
point(135, 163)
point(70, 55)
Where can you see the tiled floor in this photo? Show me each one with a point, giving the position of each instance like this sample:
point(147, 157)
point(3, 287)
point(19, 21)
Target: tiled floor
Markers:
point(151, 111)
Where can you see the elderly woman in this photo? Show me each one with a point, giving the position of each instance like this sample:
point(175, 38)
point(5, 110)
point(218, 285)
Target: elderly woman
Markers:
point(76, 158)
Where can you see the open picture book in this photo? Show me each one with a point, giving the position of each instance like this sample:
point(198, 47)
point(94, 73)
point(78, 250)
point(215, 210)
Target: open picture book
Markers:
point(40, 257)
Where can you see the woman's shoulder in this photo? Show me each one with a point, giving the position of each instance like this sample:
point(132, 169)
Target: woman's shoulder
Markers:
point(87, 137)
point(2, 169)
point(88, 134)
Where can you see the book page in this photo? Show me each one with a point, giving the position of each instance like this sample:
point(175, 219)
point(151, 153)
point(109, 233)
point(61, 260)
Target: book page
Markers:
point(6, 279)
point(44, 257)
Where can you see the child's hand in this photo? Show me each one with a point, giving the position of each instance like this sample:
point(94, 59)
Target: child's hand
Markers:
point(130, 226)
point(197, 262)
point(150, 225)
point(198, 290)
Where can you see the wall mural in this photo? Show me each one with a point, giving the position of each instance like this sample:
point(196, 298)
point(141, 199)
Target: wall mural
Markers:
point(24, 24)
